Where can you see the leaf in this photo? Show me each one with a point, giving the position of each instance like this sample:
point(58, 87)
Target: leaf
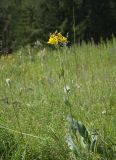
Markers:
point(78, 126)
point(71, 144)
point(82, 129)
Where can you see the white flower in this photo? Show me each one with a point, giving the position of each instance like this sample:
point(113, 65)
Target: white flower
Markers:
point(66, 89)
point(8, 82)
point(104, 112)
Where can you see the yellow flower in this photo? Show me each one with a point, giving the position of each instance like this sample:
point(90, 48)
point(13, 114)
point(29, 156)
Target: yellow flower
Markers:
point(64, 39)
point(53, 35)
point(53, 40)
point(56, 38)
point(61, 38)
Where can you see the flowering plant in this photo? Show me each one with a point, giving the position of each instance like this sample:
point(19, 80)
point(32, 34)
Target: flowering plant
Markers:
point(57, 39)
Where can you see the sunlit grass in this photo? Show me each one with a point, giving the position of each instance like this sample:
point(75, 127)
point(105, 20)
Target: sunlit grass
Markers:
point(34, 102)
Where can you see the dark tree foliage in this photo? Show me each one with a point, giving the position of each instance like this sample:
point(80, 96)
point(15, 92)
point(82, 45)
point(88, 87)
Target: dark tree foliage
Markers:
point(25, 21)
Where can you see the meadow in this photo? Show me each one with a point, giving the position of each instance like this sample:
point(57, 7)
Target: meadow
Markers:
point(34, 85)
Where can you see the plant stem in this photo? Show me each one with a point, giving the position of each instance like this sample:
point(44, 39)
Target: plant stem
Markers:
point(74, 23)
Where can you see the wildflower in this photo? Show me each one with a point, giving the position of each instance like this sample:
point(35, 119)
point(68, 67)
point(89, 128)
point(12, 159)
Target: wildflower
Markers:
point(104, 112)
point(57, 38)
point(8, 82)
point(66, 89)
point(53, 40)
point(61, 38)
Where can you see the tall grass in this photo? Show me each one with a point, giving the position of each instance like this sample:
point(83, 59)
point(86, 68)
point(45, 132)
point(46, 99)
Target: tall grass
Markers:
point(33, 109)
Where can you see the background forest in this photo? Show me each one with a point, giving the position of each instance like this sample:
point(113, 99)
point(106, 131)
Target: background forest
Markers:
point(26, 21)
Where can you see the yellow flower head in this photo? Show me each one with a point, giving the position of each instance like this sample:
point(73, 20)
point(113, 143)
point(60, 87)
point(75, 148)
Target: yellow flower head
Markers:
point(53, 40)
point(56, 38)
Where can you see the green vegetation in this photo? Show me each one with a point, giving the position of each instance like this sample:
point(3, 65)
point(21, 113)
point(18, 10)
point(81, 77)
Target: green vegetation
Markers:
point(33, 104)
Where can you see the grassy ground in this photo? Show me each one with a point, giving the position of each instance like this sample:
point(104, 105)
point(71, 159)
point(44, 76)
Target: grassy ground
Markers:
point(32, 110)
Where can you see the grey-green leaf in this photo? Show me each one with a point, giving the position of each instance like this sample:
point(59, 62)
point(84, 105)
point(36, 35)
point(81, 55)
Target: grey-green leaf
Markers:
point(71, 144)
